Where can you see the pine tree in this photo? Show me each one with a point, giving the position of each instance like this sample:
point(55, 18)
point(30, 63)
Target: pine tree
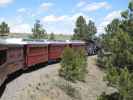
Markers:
point(119, 41)
point(4, 29)
point(81, 29)
point(52, 36)
point(73, 65)
point(38, 31)
point(92, 30)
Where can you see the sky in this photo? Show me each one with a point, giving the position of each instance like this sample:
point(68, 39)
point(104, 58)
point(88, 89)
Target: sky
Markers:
point(58, 16)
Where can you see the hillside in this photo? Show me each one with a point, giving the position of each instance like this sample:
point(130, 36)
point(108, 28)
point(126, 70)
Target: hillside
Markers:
point(45, 84)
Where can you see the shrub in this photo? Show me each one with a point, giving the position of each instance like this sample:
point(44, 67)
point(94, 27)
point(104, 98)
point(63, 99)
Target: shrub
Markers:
point(68, 88)
point(73, 64)
point(122, 80)
point(104, 96)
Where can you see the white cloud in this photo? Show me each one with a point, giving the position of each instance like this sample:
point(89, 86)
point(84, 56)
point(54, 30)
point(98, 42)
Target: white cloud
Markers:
point(53, 18)
point(112, 15)
point(107, 20)
point(21, 28)
point(2, 19)
point(45, 6)
point(21, 10)
point(5, 2)
point(76, 15)
point(81, 4)
point(62, 24)
point(17, 24)
point(23, 13)
point(90, 7)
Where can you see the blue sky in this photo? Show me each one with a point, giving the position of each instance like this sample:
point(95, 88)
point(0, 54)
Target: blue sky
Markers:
point(58, 15)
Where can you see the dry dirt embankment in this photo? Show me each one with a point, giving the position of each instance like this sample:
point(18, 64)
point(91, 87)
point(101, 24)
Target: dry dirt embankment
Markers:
point(45, 84)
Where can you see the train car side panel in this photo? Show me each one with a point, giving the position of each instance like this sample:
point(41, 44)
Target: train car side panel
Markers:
point(36, 54)
point(15, 59)
point(55, 51)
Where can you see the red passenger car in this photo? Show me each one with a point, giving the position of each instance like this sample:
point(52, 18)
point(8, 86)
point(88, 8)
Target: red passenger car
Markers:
point(36, 53)
point(11, 58)
point(77, 44)
point(16, 54)
point(56, 49)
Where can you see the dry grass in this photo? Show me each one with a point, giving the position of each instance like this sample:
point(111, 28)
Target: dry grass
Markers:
point(45, 84)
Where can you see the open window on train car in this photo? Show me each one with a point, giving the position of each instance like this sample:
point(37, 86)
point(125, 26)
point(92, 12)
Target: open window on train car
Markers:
point(3, 56)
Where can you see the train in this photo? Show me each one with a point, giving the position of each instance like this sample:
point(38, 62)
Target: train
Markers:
point(20, 54)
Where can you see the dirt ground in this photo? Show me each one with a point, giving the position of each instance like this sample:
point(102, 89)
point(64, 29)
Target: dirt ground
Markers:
point(45, 84)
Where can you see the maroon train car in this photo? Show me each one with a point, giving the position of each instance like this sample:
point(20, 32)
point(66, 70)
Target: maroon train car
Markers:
point(55, 49)
point(36, 53)
point(11, 58)
point(16, 54)
point(77, 44)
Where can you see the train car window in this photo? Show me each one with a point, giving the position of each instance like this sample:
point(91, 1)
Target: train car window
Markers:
point(3, 56)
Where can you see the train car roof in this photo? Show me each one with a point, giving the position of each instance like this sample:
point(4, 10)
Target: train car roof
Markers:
point(66, 42)
point(77, 42)
point(35, 41)
point(20, 41)
point(42, 41)
point(11, 41)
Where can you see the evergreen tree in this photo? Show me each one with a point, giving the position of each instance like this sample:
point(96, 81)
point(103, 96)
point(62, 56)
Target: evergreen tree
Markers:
point(52, 36)
point(84, 31)
point(4, 29)
point(38, 31)
point(119, 42)
point(113, 26)
point(127, 20)
point(73, 65)
point(92, 30)
point(81, 29)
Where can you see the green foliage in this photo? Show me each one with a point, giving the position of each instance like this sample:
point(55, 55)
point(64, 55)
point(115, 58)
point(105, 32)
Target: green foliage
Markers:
point(62, 37)
point(122, 80)
point(104, 96)
point(119, 42)
point(38, 31)
point(84, 31)
point(73, 64)
point(130, 6)
point(120, 47)
point(113, 26)
point(127, 22)
point(92, 30)
point(103, 58)
point(81, 28)
point(124, 14)
point(52, 36)
point(4, 29)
